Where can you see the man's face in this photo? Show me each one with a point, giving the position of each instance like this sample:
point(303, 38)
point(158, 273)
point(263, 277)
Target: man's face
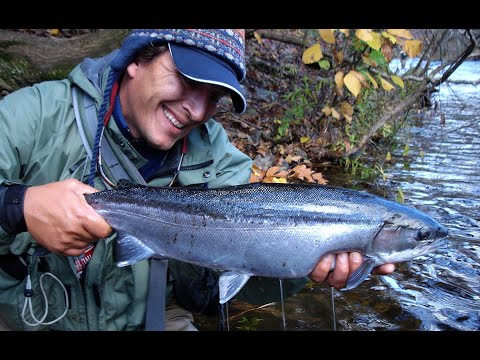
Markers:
point(161, 106)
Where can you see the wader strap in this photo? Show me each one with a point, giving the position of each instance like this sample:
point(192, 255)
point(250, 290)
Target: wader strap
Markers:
point(108, 155)
point(156, 294)
point(155, 320)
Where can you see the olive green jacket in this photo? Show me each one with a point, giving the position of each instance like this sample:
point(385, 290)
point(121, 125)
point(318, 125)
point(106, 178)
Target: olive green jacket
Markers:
point(39, 144)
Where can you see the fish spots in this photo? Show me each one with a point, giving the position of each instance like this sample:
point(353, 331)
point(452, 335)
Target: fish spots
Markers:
point(175, 239)
point(284, 264)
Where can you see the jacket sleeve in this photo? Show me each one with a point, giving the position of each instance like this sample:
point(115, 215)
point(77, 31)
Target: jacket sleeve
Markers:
point(18, 114)
point(233, 166)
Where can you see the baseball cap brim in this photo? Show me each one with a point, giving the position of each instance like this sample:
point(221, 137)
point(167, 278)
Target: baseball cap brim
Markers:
point(199, 65)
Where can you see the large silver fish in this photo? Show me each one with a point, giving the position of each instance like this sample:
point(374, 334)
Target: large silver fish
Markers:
point(270, 230)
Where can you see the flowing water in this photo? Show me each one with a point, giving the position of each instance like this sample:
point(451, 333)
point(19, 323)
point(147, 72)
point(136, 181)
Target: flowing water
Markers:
point(440, 175)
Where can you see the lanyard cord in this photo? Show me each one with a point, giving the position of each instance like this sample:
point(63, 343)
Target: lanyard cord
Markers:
point(28, 292)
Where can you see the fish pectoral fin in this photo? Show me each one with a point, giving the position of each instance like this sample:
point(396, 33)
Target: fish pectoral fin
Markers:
point(230, 283)
point(360, 274)
point(129, 250)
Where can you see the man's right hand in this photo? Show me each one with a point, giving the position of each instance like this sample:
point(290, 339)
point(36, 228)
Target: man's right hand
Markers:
point(59, 218)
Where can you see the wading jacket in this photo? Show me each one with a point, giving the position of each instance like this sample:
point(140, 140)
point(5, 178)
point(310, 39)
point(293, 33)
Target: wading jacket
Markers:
point(39, 144)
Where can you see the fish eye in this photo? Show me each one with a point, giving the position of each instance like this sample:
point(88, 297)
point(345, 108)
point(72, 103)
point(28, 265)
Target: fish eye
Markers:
point(423, 234)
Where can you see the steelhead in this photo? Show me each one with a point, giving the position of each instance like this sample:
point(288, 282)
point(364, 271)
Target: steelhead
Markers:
point(269, 230)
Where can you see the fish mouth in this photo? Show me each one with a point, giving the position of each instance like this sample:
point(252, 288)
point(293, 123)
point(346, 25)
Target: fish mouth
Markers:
point(430, 246)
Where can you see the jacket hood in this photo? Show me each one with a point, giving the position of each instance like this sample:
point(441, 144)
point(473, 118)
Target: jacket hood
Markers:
point(91, 74)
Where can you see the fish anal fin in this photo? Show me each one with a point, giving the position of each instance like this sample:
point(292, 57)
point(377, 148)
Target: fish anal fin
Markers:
point(360, 274)
point(230, 283)
point(129, 250)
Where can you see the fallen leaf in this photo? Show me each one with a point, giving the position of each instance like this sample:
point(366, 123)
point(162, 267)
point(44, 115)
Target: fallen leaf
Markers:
point(371, 79)
point(327, 35)
point(352, 83)
point(364, 34)
point(301, 172)
point(258, 37)
point(313, 54)
point(398, 80)
point(318, 177)
point(386, 85)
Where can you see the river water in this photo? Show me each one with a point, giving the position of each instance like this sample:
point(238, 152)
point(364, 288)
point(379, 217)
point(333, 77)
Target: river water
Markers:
point(440, 175)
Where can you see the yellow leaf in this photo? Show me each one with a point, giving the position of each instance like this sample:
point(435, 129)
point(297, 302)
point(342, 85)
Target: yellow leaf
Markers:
point(364, 34)
point(352, 83)
point(327, 110)
point(388, 157)
point(335, 114)
point(402, 33)
point(304, 139)
point(327, 35)
point(338, 55)
point(386, 85)
point(372, 80)
point(313, 54)
point(412, 47)
point(376, 41)
point(339, 82)
point(278, 180)
point(360, 78)
point(392, 38)
point(346, 109)
point(54, 32)
point(339, 78)
point(398, 80)
point(258, 37)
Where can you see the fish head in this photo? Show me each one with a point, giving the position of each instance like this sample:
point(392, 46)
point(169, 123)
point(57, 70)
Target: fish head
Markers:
point(406, 234)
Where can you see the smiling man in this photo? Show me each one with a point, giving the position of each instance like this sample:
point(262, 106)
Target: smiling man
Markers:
point(142, 113)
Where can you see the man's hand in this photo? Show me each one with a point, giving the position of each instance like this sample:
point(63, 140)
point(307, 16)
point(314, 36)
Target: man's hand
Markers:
point(59, 218)
point(345, 264)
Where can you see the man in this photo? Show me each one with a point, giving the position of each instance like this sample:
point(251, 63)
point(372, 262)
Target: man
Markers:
point(151, 103)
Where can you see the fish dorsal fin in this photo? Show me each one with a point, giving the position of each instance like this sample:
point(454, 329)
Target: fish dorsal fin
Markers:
point(129, 250)
point(230, 283)
point(360, 274)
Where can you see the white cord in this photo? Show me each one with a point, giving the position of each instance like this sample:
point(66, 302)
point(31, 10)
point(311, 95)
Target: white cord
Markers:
point(28, 301)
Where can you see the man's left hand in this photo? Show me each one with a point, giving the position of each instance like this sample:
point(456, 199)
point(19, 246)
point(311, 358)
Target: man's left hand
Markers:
point(345, 264)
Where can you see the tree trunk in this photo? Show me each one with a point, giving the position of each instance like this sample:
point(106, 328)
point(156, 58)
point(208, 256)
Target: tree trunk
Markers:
point(46, 54)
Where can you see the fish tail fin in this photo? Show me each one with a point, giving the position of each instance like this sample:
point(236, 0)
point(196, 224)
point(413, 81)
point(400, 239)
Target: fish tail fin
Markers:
point(129, 250)
point(360, 274)
point(230, 283)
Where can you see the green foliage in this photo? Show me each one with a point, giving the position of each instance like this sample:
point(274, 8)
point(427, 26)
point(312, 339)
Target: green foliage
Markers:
point(301, 100)
point(249, 324)
point(400, 196)
point(378, 57)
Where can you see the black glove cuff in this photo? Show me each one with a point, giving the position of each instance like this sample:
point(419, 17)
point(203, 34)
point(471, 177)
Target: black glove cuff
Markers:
point(11, 209)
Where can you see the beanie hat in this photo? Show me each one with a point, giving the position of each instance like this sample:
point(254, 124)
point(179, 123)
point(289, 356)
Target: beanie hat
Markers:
point(215, 56)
